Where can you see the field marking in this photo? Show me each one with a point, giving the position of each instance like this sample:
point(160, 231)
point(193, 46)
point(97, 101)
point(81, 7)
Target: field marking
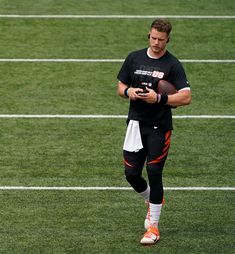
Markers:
point(114, 116)
point(80, 60)
point(118, 16)
point(78, 188)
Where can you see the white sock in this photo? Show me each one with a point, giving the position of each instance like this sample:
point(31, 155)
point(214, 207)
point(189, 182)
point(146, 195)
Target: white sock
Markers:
point(155, 212)
point(145, 194)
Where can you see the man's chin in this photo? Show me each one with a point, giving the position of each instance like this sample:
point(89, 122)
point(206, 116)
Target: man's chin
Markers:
point(156, 50)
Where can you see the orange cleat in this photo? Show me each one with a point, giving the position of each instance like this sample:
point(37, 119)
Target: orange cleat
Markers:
point(150, 237)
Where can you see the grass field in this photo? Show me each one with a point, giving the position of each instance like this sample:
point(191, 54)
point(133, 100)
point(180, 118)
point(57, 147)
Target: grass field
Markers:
point(88, 152)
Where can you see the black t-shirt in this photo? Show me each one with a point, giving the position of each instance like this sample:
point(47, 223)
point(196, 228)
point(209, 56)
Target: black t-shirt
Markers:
point(140, 70)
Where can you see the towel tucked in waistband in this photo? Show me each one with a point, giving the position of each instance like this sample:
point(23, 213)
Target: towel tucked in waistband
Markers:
point(133, 141)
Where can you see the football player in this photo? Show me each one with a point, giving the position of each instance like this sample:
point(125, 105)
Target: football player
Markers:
point(150, 118)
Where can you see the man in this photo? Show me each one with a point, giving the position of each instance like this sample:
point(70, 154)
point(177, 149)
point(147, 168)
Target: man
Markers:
point(150, 118)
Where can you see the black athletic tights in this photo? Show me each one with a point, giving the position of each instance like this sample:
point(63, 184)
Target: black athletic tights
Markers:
point(156, 145)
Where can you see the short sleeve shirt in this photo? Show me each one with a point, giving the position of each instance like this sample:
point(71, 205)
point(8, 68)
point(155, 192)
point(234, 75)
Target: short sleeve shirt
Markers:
point(140, 70)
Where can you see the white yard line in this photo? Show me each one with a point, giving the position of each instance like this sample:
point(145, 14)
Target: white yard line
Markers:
point(206, 116)
point(77, 188)
point(80, 60)
point(118, 16)
point(113, 116)
point(64, 60)
point(63, 116)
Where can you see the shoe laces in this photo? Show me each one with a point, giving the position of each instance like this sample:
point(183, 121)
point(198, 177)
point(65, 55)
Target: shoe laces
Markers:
point(150, 231)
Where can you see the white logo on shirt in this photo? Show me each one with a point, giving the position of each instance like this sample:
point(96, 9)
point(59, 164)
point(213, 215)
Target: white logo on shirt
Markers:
point(155, 74)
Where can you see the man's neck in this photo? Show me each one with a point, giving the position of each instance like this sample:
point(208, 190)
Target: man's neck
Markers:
point(151, 54)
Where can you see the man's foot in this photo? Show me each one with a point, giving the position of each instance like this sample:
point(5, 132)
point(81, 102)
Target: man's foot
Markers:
point(151, 236)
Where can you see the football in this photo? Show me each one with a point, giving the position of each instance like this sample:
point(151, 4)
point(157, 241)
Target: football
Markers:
point(165, 88)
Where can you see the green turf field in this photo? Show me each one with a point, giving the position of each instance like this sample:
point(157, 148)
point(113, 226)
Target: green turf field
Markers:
point(88, 152)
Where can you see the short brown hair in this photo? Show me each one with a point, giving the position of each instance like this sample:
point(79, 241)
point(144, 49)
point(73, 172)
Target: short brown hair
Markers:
point(162, 26)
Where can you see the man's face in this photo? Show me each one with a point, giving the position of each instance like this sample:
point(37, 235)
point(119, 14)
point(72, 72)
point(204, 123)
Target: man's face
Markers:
point(157, 42)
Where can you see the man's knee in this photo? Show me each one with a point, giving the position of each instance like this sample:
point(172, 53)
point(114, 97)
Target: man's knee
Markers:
point(155, 168)
point(137, 182)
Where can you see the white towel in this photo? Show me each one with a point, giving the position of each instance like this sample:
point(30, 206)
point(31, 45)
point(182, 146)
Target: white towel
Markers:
point(133, 141)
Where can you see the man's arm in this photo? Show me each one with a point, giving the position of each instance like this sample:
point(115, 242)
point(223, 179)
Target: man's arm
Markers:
point(183, 97)
point(121, 89)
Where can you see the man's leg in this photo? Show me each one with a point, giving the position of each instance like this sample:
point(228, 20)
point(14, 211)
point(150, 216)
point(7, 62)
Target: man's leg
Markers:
point(134, 162)
point(158, 147)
